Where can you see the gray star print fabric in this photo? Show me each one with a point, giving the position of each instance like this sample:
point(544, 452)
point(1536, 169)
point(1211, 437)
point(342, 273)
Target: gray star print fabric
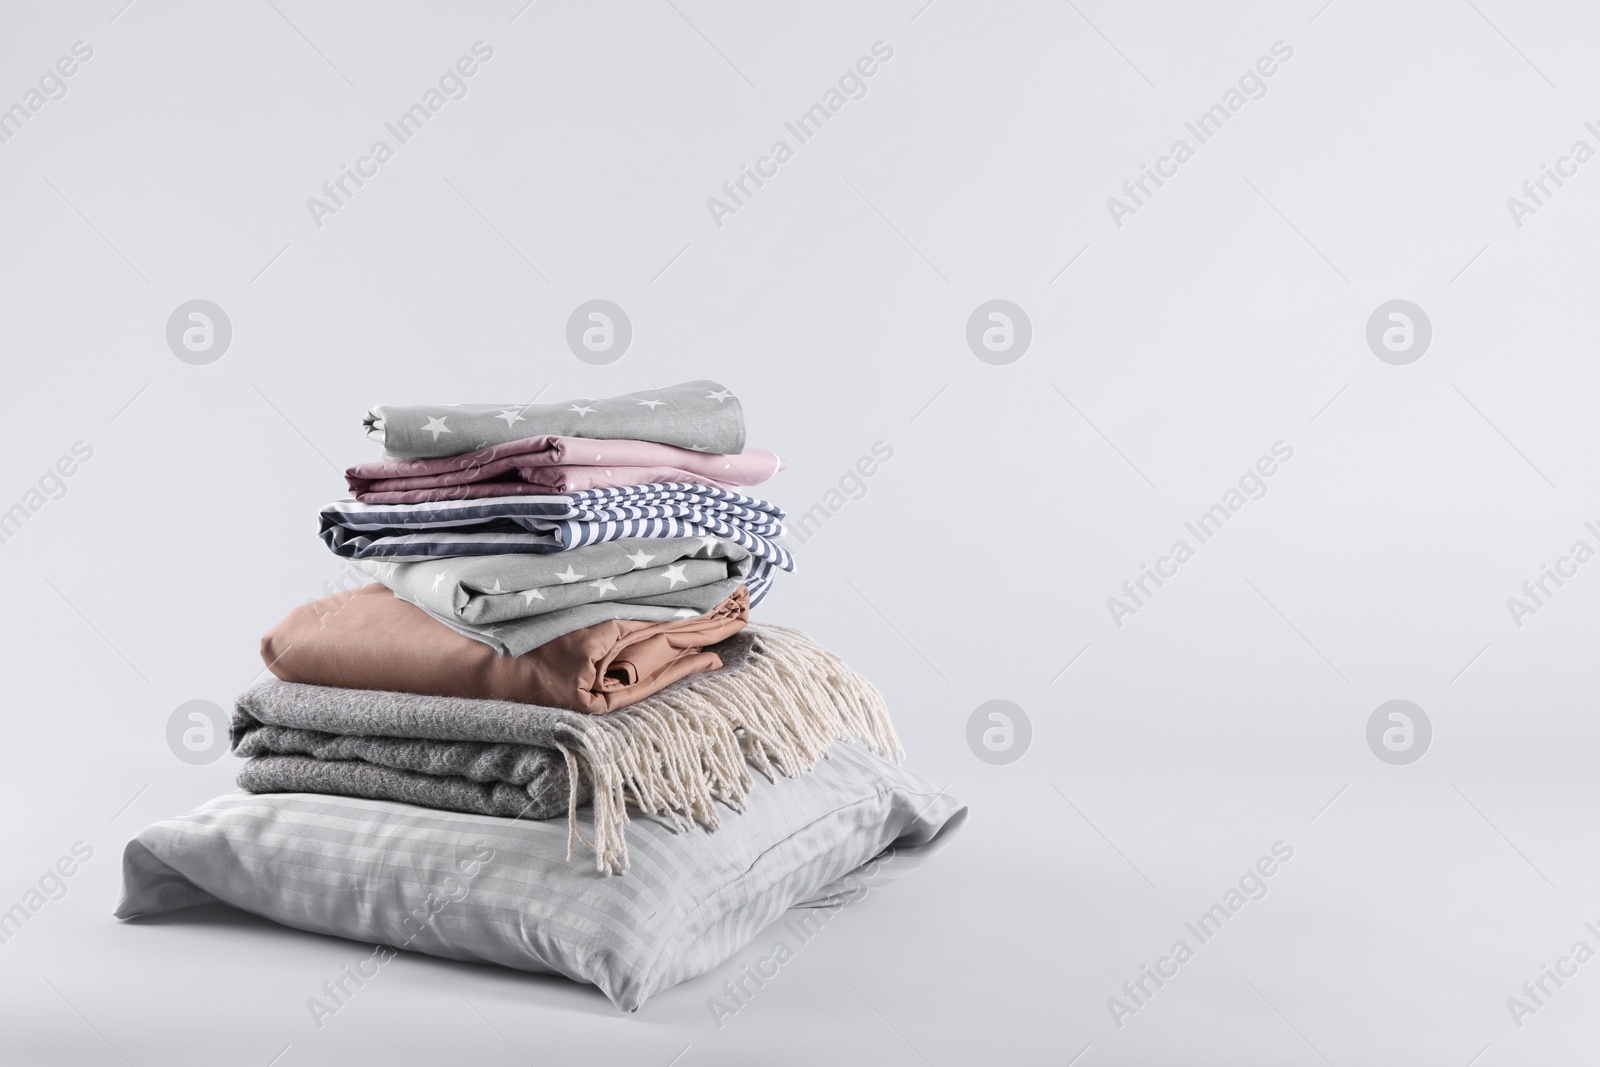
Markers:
point(515, 603)
point(700, 415)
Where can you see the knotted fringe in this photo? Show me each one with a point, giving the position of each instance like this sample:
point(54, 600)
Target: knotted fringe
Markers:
point(679, 752)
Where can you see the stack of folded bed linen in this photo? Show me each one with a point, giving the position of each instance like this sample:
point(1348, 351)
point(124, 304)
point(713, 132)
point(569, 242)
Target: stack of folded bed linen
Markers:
point(557, 658)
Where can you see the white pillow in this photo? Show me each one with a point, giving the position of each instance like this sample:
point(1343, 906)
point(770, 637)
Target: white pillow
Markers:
point(476, 887)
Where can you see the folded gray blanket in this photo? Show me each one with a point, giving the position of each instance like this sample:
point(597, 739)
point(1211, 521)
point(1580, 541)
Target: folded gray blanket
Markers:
point(699, 415)
point(513, 780)
point(308, 774)
point(777, 704)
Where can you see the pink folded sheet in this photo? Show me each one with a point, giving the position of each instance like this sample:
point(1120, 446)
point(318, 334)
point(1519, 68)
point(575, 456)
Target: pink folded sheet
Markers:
point(552, 465)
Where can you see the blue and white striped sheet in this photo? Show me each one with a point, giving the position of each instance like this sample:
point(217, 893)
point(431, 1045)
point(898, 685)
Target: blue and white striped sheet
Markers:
point(555, 523)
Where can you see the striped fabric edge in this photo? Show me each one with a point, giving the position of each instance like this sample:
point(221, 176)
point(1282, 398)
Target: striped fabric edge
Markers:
point(401, 519)
point(556, 505)
point(562, 536)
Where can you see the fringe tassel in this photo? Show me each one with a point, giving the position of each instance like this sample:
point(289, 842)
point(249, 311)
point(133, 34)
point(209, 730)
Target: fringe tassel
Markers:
point(678, 753)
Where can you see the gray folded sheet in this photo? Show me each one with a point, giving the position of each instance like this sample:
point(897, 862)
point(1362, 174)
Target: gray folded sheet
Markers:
point(516, 602)
point(700, 415)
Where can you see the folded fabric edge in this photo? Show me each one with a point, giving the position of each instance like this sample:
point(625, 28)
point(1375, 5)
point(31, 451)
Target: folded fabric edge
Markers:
point(677, 753)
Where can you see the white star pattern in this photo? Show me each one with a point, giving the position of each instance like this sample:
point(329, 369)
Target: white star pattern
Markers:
point(510, 417)
point(437, 578)
point(719, 396)
point(639, 559)
point(497, 587)
point(437, 426)
point(584, 410)
point(674, 575)
point(605, 585)
point(709, 542)
point(530, 595)
point(651, 404)
point(569, 577)
point(685, 613)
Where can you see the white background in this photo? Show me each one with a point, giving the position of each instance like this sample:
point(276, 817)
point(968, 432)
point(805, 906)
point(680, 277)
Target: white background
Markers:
point(1168, 354)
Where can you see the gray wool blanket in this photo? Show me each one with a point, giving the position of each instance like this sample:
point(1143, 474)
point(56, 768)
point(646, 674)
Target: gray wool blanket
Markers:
point(525, 778)
point(777, 704)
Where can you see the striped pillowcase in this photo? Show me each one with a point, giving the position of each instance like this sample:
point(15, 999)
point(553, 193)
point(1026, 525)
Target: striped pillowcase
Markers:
point(472, 887)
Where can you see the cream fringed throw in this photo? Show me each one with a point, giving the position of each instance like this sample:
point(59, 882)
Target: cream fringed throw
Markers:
point(777, 705)
point(777, 708)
